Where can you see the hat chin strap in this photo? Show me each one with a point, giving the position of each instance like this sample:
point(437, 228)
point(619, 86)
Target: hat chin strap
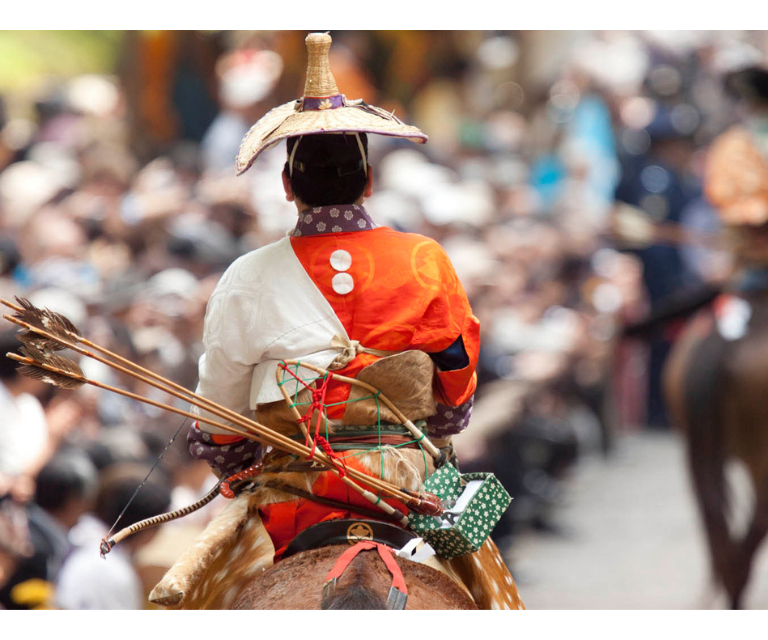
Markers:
point(359, 144)
point(362, 152)
point(290, 158)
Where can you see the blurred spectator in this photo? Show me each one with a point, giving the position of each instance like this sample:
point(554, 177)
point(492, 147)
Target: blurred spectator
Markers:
point(85, 581)
point(246, 77)
point(168, 86)
point(660, 181)
point(65, 489)
point(24, 430)
point(30, 433)
point(15, 544)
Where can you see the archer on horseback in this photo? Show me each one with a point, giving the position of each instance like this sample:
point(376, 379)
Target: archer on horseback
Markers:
point(342, 295)
point(354, 348)
point(338, 289)
point(717, 375)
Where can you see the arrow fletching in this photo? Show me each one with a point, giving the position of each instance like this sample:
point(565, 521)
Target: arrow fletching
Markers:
point(54, 323)
point(50, 368)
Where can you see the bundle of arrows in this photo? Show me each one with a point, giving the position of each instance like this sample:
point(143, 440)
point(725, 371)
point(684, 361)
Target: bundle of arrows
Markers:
point(45, 332)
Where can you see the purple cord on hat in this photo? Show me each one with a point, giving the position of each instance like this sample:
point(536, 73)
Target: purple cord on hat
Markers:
point(320, 104)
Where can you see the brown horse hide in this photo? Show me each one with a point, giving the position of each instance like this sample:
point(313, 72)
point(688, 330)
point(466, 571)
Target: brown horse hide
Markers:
point(297, 583)
point(235, 551)
point(717, 389)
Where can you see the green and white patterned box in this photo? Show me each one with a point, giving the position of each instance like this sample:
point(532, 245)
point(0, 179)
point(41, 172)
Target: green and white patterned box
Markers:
point(473, 503)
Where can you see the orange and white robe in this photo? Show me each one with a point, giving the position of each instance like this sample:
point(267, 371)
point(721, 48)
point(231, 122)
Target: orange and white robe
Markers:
point(336, 277)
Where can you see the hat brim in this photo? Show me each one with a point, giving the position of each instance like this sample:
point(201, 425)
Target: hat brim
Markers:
point(286, 121)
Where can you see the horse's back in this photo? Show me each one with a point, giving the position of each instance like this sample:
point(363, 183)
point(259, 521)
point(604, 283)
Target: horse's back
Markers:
point(717, 387)
point(722, 382)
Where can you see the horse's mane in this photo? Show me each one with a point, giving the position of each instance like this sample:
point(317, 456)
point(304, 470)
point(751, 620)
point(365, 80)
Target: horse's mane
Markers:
point(356, 597)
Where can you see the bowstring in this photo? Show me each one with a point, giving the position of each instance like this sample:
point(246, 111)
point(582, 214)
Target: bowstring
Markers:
point(143, 482)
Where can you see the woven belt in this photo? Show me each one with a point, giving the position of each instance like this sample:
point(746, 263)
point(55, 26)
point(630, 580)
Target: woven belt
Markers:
point(345, 437)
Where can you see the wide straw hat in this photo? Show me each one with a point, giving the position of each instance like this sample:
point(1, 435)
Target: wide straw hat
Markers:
point(322, 110)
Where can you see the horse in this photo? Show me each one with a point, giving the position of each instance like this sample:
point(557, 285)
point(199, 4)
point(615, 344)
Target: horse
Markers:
point(715, 382)
point(232, 565)
point(295, 583)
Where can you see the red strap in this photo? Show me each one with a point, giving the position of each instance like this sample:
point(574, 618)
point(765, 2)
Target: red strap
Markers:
point(387, 555)
point(218, 438)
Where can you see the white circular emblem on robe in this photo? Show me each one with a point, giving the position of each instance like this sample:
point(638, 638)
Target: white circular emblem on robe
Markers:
point(341, 260)
point(342, 283)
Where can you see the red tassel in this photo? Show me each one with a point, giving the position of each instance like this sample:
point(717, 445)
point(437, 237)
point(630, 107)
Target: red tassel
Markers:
point(429, 505)
point(226, 490)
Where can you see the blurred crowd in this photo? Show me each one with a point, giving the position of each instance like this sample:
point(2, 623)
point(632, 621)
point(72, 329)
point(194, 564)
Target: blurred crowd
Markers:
point(121, 209)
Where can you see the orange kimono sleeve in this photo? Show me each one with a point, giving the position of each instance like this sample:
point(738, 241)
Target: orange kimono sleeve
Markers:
point(455, 387)
point(450, 333)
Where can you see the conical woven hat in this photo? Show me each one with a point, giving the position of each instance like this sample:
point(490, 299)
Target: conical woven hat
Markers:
point(322, 110)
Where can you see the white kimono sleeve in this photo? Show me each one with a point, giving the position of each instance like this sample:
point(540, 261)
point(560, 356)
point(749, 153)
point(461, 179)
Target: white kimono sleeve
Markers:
point(231, 353)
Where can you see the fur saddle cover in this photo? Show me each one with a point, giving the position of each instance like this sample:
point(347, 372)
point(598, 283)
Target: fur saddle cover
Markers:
point(235, 547)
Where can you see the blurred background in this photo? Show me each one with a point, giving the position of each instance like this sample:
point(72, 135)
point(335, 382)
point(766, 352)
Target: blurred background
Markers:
point(120, 209)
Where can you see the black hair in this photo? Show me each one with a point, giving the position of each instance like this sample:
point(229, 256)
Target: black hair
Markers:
point(8, 342)
point(750, 84)
point(9, 255)
point(117, 488)
point(328, 168)
point(67, 476)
